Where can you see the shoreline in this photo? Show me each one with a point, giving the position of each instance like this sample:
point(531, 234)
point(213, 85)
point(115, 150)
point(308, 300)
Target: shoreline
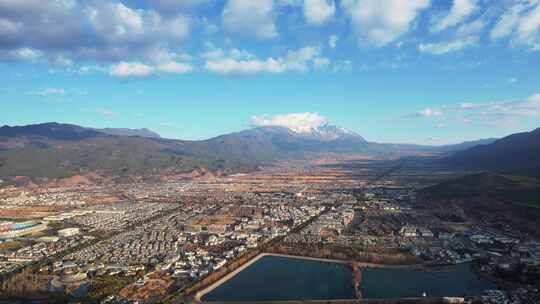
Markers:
point(360, 264)
point(201, 293)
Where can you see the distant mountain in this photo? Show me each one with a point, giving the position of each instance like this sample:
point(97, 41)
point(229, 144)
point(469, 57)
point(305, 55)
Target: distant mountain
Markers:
point(274, 142)
point(467, 145)
point(129, 132)
point(496, 198)
point(518, 153)
point(50, 130)
point(59, 150)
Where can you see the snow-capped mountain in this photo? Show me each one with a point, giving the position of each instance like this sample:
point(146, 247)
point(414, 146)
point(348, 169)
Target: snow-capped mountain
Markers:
point(327, 132)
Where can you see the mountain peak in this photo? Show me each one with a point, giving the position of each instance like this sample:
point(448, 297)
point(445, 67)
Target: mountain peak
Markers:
point(327, 131)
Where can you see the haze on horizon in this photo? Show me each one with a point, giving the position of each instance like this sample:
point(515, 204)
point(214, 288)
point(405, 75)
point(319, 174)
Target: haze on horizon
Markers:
point(417, 71)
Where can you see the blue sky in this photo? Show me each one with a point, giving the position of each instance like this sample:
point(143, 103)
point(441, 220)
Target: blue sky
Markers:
point(416, 71)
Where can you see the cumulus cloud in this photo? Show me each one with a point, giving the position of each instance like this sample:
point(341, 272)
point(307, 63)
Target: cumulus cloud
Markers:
point(118, 25)
point(254, 18)
point(230, 66)
point(461, 9)
point(237, 62)
point(126, 70)
point(131, 70)
point(379, 22)
point(318, 12)
point(65, 31)
point(175, 67)
point(298, 122)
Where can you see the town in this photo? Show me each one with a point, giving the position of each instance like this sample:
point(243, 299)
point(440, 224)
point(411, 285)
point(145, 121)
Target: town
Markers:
point(147, 241)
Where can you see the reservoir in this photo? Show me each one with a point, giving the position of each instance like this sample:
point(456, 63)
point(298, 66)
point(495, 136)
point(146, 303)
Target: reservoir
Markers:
point(285, 278)
point(458, 280)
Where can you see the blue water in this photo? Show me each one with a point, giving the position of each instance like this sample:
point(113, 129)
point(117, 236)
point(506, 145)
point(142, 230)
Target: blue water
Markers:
point(281, 278)
point(392, 283)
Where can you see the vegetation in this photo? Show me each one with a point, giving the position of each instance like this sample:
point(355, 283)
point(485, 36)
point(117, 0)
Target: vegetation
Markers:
point(383, 256)
point(509, 201)
point(515, 154)
point(105, 286)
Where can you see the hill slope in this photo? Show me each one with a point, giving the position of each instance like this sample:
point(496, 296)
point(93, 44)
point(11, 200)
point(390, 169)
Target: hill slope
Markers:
point(57, 150)
point(129, 132)
point(503, 199)
point(518, 153)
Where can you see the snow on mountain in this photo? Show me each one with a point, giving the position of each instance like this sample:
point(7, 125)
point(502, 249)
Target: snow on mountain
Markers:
point(327, 132)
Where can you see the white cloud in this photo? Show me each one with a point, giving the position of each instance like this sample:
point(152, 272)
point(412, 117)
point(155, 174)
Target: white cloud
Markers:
point(117, 23)
point(521, 23)
point(529, 28)
point(321, 62)
point(175, 6)
point(66, 31)
point(446, 47)
point(298, 122)
point(318, 12)
point(379, 22)
point(255, 18)
point(175, 68)
point(230, 66)
point(50, 91)
point(239, 62)
point(430, 112)
point(461, 9)
point(23, 54)
point(131, 70)
point(343, 66)
point(125, 70)
point(332, 41)
point(507, 22)
point(89, 69)
point(495, 113)
point(427, 113)
point(106, 113)
point(466, 35)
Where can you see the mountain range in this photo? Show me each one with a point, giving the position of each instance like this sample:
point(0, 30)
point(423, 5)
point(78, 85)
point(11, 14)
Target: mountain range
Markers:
point(59, 150)
point(516, 154)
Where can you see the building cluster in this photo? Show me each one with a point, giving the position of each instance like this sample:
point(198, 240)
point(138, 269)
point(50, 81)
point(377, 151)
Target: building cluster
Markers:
point(193, 240)
point(118, 216)
point(40, 249)
point(327, 228)
point(59, 197)
point(184, 230)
